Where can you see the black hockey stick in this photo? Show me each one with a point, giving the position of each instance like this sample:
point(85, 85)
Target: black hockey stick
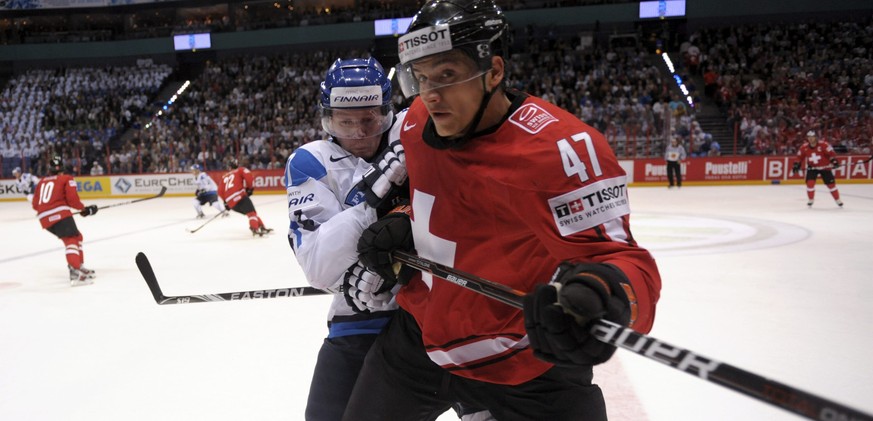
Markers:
point(214, 217)
point(160, 193)
point(772, 392)
point(846, 164)
point(145, 268)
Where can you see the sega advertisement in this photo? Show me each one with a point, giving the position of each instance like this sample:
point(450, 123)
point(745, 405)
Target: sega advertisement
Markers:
point(142, 185)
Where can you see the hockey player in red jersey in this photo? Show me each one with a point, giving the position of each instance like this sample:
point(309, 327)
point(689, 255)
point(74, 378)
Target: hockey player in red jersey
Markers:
point(820, 158)
point(53, 199)
point(511, 188)
point(235, 188)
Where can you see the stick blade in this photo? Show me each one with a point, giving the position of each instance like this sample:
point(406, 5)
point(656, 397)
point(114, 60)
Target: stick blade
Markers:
point(145, 269)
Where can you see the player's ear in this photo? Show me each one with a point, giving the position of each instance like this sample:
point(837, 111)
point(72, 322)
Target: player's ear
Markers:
point(497, 72)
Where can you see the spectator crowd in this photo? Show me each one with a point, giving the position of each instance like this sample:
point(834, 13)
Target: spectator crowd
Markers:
point(772, 82)
point(72, 112)
point(776, 82)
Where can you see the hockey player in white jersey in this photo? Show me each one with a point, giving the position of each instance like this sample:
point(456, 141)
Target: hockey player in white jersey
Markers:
point(207, 191)
point(25, 182)
point(327, 215)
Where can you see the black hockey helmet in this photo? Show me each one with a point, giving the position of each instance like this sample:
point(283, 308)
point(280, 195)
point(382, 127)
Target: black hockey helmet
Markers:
point(56, 165)
point(476, 27)
point(233, 163)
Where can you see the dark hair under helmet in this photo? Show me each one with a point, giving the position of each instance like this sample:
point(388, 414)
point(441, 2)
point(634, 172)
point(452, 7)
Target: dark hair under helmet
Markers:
point(476, 27)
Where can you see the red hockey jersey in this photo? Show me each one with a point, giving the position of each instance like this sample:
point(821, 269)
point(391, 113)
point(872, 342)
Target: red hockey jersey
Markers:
point(54, 198)
point(510, 206)
point(233, 185)
point(816, 157)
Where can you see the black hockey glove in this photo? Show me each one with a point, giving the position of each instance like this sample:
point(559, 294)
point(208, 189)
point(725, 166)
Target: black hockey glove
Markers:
point(89, 210)
point(198, 192)
point(383, 182)
point(250, 191)
point(379, 240)
point(365, 291)
point(795, 168)
point(558, 316)
point(834, 163)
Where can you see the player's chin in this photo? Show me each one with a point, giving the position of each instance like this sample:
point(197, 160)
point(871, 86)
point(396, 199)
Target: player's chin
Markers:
point(446, 127)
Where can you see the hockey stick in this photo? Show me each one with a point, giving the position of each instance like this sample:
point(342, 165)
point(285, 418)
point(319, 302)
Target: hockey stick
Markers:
point(160, 193)
point(145, 268)
point(769, 391)
point(778, 394)
point(846, 164)
point(214, 217)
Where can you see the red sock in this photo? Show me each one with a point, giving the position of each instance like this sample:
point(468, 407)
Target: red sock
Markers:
point(834, 191)
point(810, 189)
point(254, 221)
point(72, 251)
point(81, 249)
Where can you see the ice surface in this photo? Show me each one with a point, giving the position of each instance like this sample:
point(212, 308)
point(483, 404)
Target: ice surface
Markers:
point(751, 278)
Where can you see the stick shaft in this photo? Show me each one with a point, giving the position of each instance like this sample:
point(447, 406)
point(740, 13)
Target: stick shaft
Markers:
point(145, 268)
point(772, 392)
point(161, 193)
point(769, 391)
point(214, 217)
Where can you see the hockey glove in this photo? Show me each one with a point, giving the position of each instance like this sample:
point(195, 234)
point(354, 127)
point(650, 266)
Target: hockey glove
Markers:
point(250, 191)
point(198, 192)
point(89, 210)
point(379, 240)
point(366, 291)
point(382, 183)
point(558, 316)
point(795, 168)
point(834, 163)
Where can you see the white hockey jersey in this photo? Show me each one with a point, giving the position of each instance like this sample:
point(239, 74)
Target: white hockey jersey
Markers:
point(26, 182)
point(327, 213)
point(204, 182)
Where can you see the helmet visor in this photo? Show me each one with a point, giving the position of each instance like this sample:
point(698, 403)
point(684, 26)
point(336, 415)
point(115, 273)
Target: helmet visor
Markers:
point(356, 123)
point(413, 82)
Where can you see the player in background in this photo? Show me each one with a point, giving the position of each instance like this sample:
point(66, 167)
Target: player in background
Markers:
point(674, 154)
point(819, 158)
point(327, 215)
point(514, 189)
point(26, 182)
point(53, 199)
point(235, 188)
point(207, 192)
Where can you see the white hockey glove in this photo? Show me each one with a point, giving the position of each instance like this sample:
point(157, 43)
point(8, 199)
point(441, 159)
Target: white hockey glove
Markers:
point(366, 291)
point(381, 184)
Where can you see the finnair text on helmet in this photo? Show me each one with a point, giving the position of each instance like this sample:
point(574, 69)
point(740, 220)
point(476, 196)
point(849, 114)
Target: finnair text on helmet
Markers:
point(421, 39)
point(358, 99)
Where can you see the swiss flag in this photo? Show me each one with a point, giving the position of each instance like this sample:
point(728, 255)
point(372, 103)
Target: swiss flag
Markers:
point(577, 206)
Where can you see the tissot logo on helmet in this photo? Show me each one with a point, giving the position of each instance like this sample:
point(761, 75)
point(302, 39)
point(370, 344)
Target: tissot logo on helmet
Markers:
point(424, 42)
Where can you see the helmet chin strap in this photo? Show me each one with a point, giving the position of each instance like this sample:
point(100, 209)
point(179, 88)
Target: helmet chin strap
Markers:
point(434, 140)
